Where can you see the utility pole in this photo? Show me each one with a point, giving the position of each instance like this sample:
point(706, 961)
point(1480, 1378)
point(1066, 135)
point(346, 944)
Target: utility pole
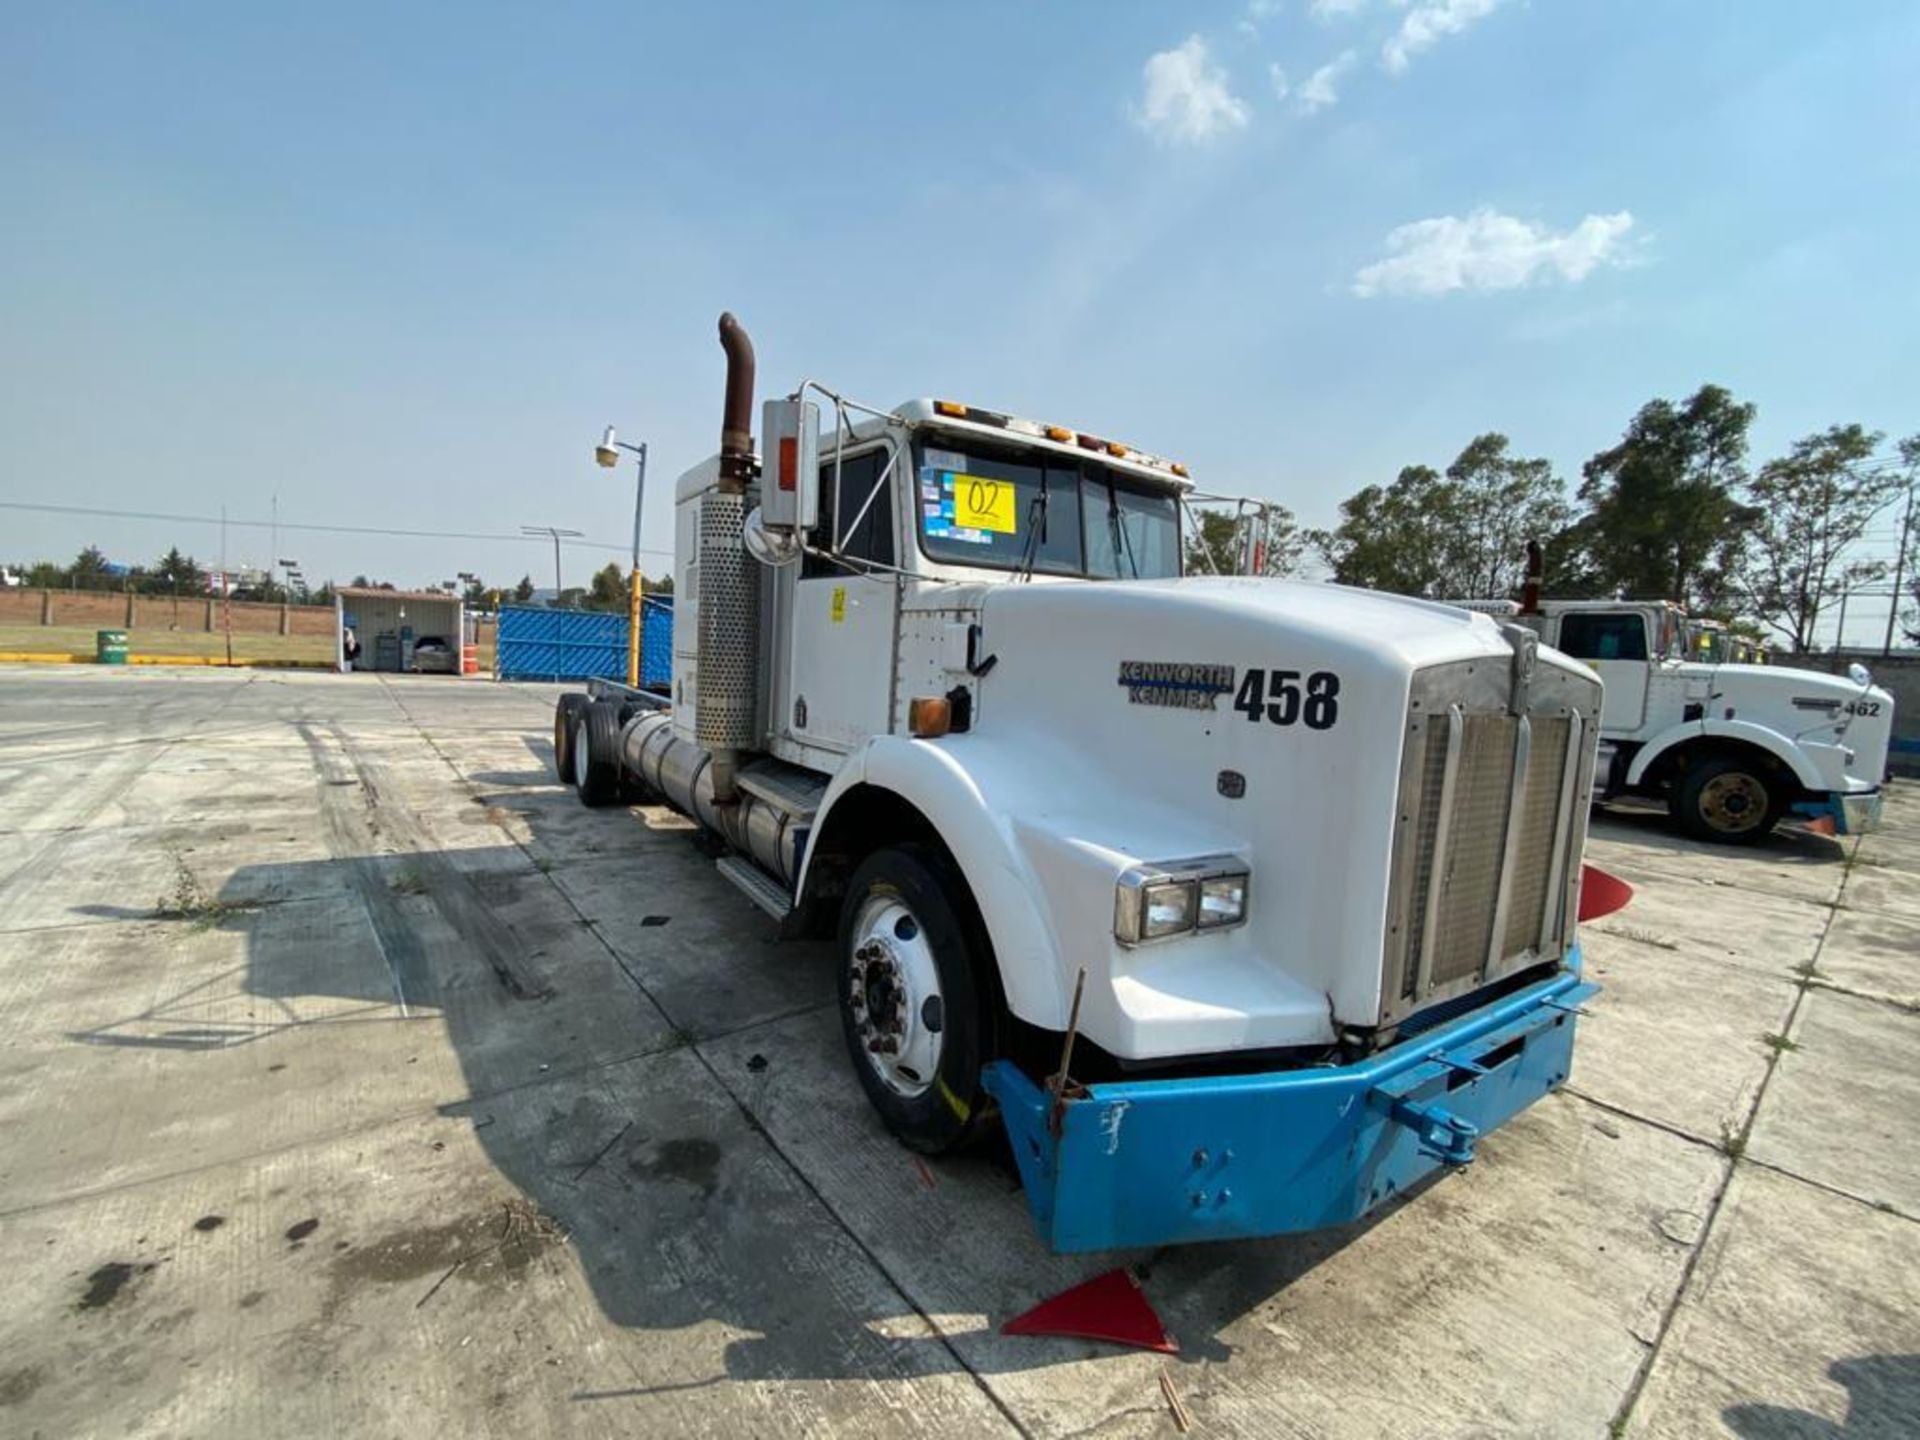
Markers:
point(556, 535)
point(1899, 571)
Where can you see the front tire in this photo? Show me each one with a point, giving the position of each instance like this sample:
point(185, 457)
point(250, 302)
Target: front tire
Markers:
point(1728, 800)
point(916, 1001)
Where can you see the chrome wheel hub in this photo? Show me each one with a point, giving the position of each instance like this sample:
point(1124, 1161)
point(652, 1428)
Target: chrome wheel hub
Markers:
point(893, 987)
point(580, 754)
point(1733, 802)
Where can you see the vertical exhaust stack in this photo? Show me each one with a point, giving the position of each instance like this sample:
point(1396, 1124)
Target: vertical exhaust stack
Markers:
point(726, 699)
point(1536, 571)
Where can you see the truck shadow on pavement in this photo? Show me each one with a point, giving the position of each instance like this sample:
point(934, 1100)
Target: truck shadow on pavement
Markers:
point(622, 1115)
point(1883, 1399)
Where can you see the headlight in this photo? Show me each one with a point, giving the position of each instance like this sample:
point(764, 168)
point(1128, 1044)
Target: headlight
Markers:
point(1223, 901)
point(1176, 897)
point(1167, 908)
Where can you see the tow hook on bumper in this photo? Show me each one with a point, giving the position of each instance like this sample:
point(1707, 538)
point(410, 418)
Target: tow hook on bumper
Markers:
point(1219, 1157)
point(1443, 1135)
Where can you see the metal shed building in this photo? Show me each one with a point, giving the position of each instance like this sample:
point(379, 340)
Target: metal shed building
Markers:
point(390, 623)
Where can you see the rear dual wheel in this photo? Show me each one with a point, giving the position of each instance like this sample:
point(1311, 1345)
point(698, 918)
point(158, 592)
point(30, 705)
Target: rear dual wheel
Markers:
point(596, 753)
point(567, 711)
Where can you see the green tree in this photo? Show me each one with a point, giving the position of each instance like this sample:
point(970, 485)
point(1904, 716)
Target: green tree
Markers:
point(89, 571)
point(174, 573)
point(45, 575)
point(607, 590)
point(1460, 535)
point(1219, 541)
point(1497, 502)
point(1814, 504)
point(523, 592)
point(1663, 521)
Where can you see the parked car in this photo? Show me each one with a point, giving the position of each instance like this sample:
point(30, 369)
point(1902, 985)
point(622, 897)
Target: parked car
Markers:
point(435, 655)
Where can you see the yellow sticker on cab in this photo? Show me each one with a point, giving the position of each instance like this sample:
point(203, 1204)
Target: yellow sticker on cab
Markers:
point(838, 608)
point(983, 504)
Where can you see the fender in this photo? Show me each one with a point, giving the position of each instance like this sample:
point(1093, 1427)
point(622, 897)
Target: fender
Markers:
point(1772, 741)
point(934, 781)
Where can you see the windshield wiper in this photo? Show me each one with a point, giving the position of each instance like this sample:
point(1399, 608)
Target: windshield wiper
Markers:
point(1121, 540)
point(1036, 530)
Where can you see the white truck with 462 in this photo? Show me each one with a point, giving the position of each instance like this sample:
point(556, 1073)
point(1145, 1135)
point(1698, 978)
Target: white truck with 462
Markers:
point(1245, 904)
point(1730, 748)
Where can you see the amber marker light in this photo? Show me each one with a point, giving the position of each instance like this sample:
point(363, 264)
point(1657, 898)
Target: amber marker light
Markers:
point(929, 716)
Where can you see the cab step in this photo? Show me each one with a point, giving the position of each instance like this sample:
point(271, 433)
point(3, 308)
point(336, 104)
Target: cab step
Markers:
point(754, 883)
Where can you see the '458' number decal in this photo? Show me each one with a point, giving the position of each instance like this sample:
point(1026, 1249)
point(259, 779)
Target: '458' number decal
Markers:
point(1281, 698)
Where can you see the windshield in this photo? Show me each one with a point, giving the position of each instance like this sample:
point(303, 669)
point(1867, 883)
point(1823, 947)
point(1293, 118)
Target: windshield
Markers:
point(1010, 509)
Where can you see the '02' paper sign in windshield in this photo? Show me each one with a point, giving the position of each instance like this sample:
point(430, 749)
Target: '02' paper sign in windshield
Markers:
point(973, 508)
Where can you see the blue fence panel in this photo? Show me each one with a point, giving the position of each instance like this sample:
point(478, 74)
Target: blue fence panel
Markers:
point(656, 642)
point(540, 644)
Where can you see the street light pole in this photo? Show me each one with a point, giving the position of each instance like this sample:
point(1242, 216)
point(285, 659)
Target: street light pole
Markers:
point(606, 453)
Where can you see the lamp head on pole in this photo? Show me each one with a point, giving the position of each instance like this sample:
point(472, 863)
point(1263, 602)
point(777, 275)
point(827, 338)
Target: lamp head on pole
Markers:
point(604, 454)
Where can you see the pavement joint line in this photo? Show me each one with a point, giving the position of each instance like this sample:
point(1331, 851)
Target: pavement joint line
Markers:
point(752, 1121)
point(1834, 1190)
point(669, 1046)
point(1735, 1152)
point(1904, 1007)
point(1625, 1114)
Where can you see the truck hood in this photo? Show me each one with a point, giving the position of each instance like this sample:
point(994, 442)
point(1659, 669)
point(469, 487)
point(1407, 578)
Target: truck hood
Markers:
point(1129, 723)
point(1393, 628)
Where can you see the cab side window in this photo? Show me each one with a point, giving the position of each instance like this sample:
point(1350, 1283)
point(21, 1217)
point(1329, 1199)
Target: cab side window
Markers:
point(1604, 637)
point(870, 539)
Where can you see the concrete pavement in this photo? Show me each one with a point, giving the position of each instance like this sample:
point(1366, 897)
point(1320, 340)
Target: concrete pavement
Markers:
point(355, 1079)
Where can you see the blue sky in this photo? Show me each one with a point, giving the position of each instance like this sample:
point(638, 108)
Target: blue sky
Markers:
point(397, 265)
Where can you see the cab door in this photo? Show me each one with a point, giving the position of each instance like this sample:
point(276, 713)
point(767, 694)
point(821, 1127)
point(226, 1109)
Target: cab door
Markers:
point(840, 660)
point(1616, 644)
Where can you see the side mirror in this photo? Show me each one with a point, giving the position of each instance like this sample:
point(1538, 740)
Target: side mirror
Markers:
point(790, 465)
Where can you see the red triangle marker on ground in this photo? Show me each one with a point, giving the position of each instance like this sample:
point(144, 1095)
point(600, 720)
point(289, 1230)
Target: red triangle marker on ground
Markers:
point(1601, 893)
point(1111, 1307)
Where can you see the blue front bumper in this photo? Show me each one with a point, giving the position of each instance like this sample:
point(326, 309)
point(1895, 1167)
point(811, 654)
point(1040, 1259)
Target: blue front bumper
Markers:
point(1167, 1162)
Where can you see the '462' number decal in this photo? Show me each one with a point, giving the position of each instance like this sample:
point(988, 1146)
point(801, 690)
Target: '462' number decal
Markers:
point(1284, 697)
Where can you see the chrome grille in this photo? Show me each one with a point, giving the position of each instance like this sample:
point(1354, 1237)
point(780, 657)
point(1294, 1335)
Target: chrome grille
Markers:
point(1477, 831)
point(1487, 825)
point(1528, 895)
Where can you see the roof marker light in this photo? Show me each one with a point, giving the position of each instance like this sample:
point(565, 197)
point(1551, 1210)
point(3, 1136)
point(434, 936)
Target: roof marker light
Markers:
point(1060, 433)
point(951, 407)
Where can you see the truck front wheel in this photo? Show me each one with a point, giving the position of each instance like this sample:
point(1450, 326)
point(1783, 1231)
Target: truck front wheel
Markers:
point(914, 998)
point(1728, 799)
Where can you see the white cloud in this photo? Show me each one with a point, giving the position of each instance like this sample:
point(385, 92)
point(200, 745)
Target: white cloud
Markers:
point(1256, 12)
point(1323, 86)
point(1335, 9)
point(1490, 251)
point(1187, 96)
point(1277, 78)
point(1425, 25)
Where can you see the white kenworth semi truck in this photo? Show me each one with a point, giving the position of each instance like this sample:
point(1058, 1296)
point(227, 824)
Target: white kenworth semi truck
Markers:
point(1731, 749)
point(1246, 904)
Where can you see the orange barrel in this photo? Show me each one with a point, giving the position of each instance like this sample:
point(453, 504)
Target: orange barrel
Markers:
point(469, 659)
